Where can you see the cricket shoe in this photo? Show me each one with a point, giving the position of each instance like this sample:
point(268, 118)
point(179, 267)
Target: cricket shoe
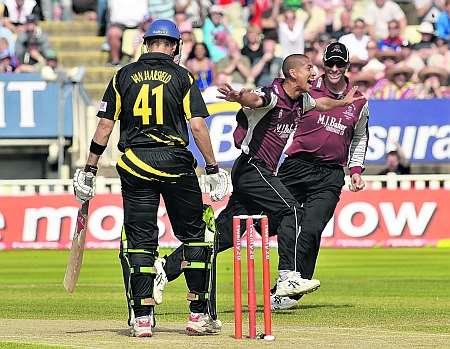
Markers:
point(202, 325)
point(282, 303)
point(293, 284)
point(160, 280)
point(142, 326)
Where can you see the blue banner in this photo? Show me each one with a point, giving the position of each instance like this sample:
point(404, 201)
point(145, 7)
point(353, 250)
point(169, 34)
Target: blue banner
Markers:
point(29, 107)
point(422, 127)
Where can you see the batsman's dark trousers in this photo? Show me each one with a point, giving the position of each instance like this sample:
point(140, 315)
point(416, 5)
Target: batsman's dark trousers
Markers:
point(183, 201)
point(257, 190)
point(317, 187)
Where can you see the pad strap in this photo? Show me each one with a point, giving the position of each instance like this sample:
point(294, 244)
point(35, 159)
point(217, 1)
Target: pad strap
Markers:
point(142, 301)
point(204, 296)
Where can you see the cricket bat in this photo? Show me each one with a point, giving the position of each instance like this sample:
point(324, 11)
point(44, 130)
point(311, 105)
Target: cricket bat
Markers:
point(77, 249)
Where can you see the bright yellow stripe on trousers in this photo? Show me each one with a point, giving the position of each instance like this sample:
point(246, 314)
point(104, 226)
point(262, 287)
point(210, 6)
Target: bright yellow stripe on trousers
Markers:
point(187, 101)
point(142, 165)
point(130, 170)
point(118, 99)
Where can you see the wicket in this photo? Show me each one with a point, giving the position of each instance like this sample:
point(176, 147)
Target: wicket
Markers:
point(251, 291)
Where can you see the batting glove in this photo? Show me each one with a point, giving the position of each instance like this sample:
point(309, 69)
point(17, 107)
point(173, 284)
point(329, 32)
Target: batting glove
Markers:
point(217, 184)
point(84, 184)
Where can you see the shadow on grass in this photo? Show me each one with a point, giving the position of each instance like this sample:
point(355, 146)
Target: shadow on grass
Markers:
point(126, 332)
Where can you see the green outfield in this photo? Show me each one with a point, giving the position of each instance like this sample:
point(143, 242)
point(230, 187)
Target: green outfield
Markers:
point(368, 298)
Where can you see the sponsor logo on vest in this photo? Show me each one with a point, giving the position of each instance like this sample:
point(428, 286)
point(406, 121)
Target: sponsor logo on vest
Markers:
point(331, 125)
point(285, 130)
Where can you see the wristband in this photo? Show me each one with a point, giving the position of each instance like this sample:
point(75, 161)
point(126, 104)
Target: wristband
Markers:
point(211, 169)
point(91, 168)
point(96, 148)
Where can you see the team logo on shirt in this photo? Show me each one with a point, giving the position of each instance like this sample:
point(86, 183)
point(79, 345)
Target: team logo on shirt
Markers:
point(349, 112)
point(332, 124)
point(103, 106)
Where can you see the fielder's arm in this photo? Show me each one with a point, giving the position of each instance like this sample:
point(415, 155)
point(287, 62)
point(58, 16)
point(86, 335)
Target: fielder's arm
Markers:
point(246, 98)
point(326, 103)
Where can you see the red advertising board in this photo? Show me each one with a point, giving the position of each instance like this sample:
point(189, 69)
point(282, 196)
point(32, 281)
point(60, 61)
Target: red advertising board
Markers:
point(369, 218)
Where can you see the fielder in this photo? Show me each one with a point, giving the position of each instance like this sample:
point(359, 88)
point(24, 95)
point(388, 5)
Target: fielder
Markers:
point(323, 144)
point(155, 99)
point(269, 115)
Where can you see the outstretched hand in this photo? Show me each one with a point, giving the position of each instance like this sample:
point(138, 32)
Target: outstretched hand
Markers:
point(229, 94)
point(350, 96)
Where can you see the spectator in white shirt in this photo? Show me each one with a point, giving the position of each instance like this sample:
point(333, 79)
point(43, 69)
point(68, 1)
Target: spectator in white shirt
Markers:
point(290, 34)
point(380, 13)
point(124, 14)
point(357, 41)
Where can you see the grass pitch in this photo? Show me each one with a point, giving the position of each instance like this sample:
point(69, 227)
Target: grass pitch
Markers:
point(368, 298)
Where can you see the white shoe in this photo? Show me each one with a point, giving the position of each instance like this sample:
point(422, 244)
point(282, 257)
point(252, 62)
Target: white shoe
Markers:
point(160, 280)
point(293, 284)
point(142, 326)
point(282, 303)
point(202, 324)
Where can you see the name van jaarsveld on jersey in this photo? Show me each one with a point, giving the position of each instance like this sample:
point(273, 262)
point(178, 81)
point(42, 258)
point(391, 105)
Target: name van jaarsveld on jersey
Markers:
point(331, 124)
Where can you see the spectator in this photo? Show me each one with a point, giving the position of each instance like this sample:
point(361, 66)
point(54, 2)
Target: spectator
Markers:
point(434, 82)
point(393, 41)
point(201, 66)
point(235, 64)
point(344, 29)
point(215, 34)
point(269, 19)
point(161, 9)
point(57, 9)
point(4, 19)
point(443, 22)
point(380, 13)
point(124, 14)
point(313, 54)
point(252, 44)
point(314, 19)
point(357, 41)
point(210, 93)
point(6, 34)
point(389, 58)
point(425, 47)
point(18, 10)
point(398, 84)
point(7, 62)
point(86, 8)
point(374, 64)
point(396, 162)
point(411, 58)
point(195, 10)
point(365, 81)
point(442, 57)
point(138, 39)
point(268, 66)
point(291, 34)
point(188, 41)
point(32, 44)
point(428, 10)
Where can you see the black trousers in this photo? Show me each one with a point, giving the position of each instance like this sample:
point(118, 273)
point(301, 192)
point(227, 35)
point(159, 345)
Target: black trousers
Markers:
point(184, 205)
point(318, 188)
point(257, 190)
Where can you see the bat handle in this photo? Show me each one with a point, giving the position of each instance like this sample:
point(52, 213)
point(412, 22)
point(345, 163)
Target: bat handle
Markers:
point(89, 178)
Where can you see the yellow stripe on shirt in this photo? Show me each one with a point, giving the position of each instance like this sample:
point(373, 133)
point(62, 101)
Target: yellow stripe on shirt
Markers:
point(143, 166)
point(118, 99)
point(187, 101)
point(130, 170)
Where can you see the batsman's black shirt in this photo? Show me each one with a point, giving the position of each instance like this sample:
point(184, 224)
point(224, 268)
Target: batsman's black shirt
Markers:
point(153, 99)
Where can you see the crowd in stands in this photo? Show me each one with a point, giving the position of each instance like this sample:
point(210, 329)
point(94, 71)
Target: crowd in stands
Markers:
point(397, 51)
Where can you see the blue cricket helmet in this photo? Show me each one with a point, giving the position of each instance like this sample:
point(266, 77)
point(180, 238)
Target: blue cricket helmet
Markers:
point(163, 28)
